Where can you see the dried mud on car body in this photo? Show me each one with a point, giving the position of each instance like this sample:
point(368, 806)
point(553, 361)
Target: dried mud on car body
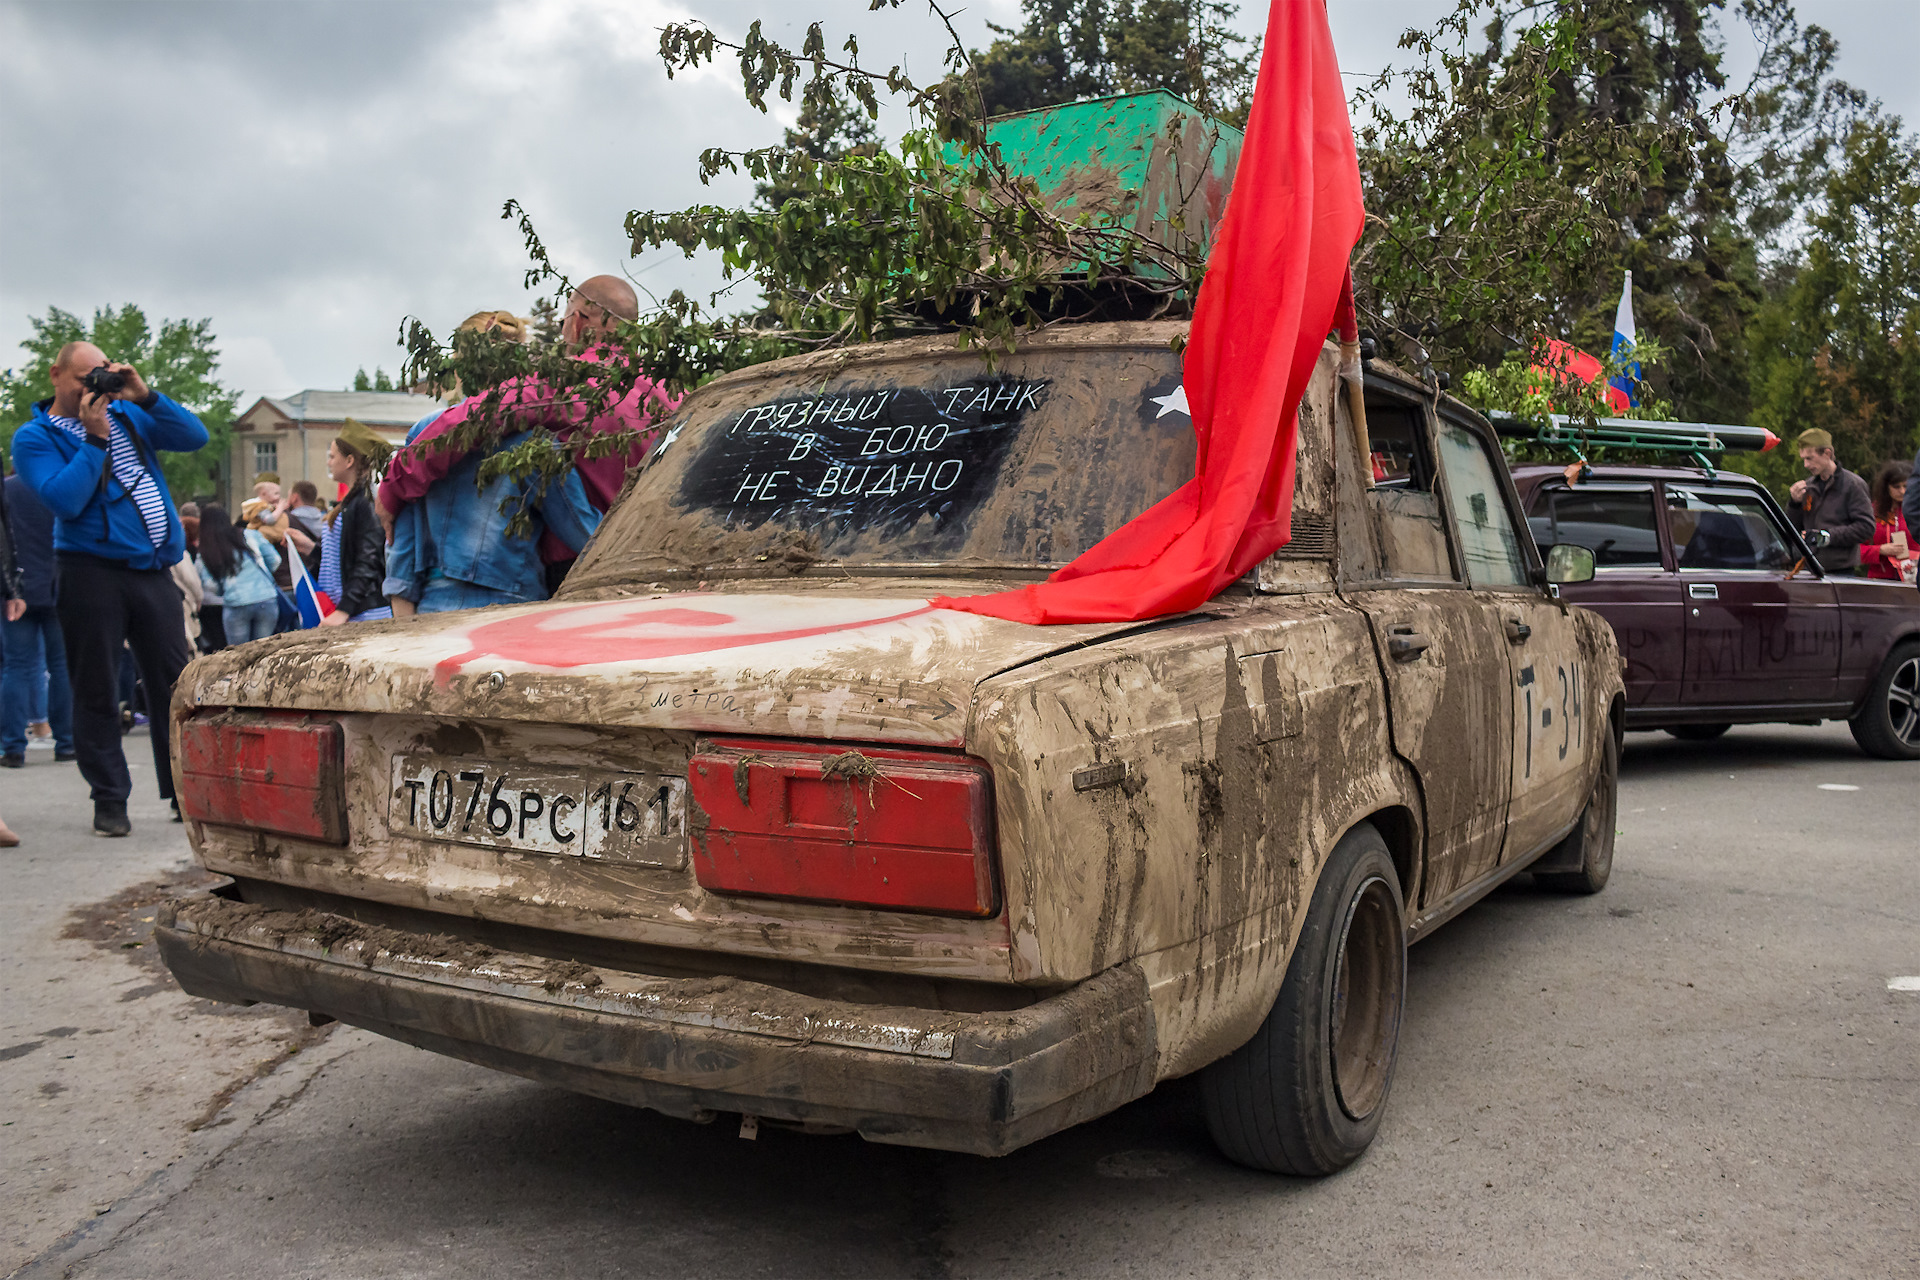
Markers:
point(1226, 751)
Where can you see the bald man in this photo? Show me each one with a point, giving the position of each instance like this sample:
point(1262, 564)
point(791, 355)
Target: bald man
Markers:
point(595, 310)
point(589, 327)
point(93, 460)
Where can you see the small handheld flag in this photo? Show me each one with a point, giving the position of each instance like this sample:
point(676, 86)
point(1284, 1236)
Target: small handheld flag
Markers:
point(312, 602)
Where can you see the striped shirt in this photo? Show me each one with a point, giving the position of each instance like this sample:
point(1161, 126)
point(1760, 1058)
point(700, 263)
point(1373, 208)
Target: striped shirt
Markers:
point(129, 471)
point(329, 577)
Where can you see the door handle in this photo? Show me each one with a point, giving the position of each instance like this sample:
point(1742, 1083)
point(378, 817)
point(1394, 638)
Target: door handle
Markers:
point(1518, 632)
point(1404, 644)
point(1703, 590)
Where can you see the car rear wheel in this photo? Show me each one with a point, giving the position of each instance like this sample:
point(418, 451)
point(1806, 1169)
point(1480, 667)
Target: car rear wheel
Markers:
point(1888, 725)
point(1305, 1095)
point(1698, 732)
point(1589, 846)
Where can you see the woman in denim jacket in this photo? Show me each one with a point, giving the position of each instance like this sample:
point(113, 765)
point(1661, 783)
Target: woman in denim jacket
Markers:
point(237, 565)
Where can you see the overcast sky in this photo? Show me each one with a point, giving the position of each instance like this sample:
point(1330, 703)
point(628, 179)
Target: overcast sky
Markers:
point(306, 174)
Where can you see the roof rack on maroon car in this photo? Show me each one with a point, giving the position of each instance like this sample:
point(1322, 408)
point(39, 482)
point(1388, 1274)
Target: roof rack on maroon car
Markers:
point(1695, 439)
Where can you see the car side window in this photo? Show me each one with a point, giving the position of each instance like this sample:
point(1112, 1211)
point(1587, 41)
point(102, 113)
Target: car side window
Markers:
point(1489, 538)
point(1406, 535)
point(1724, 529)
point(1396, 431)
point(1616, 524)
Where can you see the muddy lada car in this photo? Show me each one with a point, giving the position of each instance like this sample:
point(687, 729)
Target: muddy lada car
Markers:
point(741, 824)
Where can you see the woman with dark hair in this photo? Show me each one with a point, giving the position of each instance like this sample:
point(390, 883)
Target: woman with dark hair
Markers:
point(1890, 553)
point(236, 567)
point(353, 546)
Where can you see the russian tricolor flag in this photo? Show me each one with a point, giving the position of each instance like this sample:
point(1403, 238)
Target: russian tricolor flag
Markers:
point(1624, 335)
point(312, 603)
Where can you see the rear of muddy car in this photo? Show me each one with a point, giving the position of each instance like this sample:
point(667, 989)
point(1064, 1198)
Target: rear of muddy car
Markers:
point(739, 823)
point(724, 828)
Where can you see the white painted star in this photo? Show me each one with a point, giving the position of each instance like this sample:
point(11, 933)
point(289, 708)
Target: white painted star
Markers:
point(1176, 402)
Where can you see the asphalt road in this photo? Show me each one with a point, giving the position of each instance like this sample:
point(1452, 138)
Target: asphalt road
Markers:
point(1702, 1071)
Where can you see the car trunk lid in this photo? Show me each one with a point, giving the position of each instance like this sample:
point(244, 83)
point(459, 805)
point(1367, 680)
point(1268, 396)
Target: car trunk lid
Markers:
point(864, 665)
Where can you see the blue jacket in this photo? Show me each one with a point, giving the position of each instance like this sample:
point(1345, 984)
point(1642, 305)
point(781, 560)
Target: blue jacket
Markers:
point(251, 583)
point(459, 531)
point(32, 528)
point(91, 515)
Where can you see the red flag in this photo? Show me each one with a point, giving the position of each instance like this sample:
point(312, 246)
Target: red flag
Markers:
point(1273, 284)
point(1565, 362)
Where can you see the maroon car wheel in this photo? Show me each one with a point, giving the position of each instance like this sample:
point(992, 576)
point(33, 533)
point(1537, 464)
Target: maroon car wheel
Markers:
point(1888, 725)
point(1697, 732)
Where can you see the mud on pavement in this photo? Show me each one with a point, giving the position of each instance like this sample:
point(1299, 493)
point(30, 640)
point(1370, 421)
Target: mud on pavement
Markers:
point(108, 1068)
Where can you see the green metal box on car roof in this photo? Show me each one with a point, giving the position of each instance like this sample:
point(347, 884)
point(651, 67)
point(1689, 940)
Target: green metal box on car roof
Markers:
point(1151, 162)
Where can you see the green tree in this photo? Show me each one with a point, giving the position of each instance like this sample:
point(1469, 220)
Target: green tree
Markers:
point(829, 129)
point(1482, 200)
point(1067, 50)
point(1787, 124)
point(1839, 347)
point(378, 382)
point(1549, 146)
point(546, 324)
point(1485, 199)
point(181, 360)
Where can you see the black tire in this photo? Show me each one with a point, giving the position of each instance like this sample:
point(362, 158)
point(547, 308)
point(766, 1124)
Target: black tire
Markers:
point(1589, 845)
point(1305, 1095)
point(1698, 732)
point(1888, 725)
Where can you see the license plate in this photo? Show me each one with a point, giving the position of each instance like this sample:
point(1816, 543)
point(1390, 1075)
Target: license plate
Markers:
point(618, 817)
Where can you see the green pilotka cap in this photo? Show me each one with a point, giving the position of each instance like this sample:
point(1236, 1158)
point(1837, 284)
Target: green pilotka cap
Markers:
point(363, 440)
point(1814, 438)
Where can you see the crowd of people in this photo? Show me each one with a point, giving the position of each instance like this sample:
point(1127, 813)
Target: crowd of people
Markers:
point(1848, 524)
point(109, 588)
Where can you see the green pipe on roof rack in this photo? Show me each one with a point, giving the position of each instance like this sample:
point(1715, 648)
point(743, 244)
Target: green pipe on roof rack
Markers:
point(1692, 438)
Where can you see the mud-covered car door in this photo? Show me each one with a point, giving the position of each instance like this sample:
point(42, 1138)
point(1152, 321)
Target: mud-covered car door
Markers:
point(1440, 647)
point(1549, 735)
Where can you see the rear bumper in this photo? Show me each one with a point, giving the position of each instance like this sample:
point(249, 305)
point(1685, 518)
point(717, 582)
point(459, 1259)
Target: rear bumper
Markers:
point(980, 1082)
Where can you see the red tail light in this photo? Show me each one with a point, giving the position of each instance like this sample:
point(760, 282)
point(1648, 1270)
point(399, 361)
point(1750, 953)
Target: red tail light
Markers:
point(906, 830)
point(280, 771)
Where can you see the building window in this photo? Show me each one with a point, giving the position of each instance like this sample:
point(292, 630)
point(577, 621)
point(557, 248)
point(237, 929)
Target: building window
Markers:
point(266, 456)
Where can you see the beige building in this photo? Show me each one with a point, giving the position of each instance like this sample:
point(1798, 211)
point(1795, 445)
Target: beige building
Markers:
point(290, 435)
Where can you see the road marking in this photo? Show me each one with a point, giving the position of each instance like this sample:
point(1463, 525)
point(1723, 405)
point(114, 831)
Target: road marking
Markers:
point(1903, 984)
point(1838, 786)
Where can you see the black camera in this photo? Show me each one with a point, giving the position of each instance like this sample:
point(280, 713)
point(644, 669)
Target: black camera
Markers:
point(1819, 539)
point(104, 381)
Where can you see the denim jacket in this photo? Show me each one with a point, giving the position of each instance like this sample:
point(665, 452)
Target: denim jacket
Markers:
point(459, 532)
point(252, 580)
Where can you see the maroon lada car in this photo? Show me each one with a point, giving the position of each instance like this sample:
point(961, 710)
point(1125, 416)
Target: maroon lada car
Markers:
point(1723, 616)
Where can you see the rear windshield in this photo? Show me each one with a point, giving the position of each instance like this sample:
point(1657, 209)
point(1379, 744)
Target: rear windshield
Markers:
point(930, 461)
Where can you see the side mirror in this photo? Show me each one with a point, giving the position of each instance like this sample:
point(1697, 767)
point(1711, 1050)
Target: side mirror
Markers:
point(1567, 562)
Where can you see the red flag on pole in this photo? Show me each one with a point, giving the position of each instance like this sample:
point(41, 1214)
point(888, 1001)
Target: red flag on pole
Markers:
point(1564, 362)
point(1273, 287)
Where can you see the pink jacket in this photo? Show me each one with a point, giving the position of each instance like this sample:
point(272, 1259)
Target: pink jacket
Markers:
point(416, 469)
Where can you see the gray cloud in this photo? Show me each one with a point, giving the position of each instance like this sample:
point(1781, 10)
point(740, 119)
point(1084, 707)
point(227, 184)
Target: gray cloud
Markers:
point(307, 174)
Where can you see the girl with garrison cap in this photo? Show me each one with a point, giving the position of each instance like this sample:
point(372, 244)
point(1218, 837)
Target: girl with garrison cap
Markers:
point(353, 546)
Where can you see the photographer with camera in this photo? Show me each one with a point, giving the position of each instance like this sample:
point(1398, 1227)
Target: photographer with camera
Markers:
point(91, 453)
point(1831, 507)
